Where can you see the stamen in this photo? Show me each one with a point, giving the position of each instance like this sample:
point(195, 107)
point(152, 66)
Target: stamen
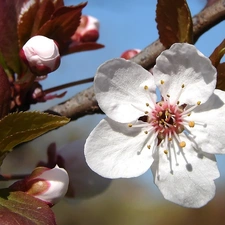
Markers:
point(130, 124)
point(182, 144)
point(188, 111)
point(162, 82)
point(147, 104)
point(140, 125)
point(148, 146)
point(191, 123)
point(146, 87)
point(146, 112)
point(165, 151)
point(178, 102)
point(168, 95)
point(179, 94)
point(146, 132)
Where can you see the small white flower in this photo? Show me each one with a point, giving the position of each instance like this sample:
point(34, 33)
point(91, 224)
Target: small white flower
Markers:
point(177, 136)
point(41, 54)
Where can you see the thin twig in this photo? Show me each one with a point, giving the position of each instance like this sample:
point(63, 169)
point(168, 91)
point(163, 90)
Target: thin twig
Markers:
point(71, 84)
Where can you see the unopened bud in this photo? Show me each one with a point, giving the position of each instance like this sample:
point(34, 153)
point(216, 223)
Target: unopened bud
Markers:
point(88, 30)
point(48, 185)
point(41, 54)
point(130, 53)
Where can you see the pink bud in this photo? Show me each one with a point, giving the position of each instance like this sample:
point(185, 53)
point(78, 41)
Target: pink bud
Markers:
point(130, 53)
point(48, 185)
point(41, 54)
point(88, 30)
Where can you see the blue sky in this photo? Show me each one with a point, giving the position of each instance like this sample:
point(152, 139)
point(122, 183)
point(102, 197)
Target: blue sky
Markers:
point(123, 25)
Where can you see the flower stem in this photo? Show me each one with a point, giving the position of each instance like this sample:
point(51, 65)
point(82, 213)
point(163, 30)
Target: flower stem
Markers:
point(63, 86)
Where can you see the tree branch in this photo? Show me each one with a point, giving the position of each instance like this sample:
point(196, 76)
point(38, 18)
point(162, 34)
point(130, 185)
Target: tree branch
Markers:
point(84, 103)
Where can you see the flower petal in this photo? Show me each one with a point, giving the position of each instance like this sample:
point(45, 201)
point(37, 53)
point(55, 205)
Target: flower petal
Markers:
point(209, 138)
point(184, 65)
point(186, 179)
point(119, 87)
point(114, 150)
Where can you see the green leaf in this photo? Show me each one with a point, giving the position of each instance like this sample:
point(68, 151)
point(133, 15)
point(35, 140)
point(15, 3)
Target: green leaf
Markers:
point(217, 54)
point(21, 127)
point(22, 209)
point(174, 22)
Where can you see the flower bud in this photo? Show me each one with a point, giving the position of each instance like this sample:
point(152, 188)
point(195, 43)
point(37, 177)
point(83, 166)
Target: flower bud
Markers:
point(41, 54)
point(88, 30)
point(130, 53)
point(48, 185)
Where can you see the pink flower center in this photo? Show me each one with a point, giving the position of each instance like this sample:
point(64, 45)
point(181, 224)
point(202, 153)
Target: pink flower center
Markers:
point(166, 119)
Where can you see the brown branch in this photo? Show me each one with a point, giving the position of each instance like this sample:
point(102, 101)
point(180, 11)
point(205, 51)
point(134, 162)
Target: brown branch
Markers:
point(85, 103)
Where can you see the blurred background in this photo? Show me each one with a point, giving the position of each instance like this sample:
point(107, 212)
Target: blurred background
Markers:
point(123, 25)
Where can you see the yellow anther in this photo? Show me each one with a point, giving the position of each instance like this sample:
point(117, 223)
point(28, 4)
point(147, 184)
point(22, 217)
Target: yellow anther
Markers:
point(146, 132)
point(162, 81)
point(189, 114)
point(160, 114)
point(182, 144)
point(199, 102)
point(146, 87)
point(170, 139)
point(148, 146)
point(168, 95)
point(178, 102)
point(147, 104)
point(130, 124)
point(146, 112)
point(160, 104)
point(167, 113)
point(166, 152)
point(191, 123)
point(182, 85)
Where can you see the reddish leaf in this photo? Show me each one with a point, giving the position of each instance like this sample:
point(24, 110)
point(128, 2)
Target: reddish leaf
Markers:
point(174, 22)
point(33, 18)
point(62, 24)
point(221, 77)
point(5, 93)
point(26, 22)
point(43, 14)
point(58, 3)
point(218, 53)
point(79, 47)
point(8, 38)
point(23, 209)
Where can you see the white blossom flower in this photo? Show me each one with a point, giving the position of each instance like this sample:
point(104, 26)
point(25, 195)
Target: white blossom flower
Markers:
point(176, 136)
